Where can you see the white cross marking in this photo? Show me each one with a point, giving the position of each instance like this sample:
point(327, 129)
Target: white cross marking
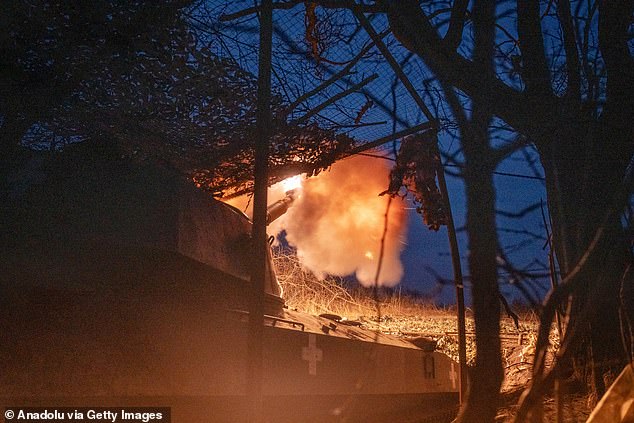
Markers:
point(312, 354)
point(453, 376)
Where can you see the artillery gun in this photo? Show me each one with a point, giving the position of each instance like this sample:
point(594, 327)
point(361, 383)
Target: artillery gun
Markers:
point(126, 286)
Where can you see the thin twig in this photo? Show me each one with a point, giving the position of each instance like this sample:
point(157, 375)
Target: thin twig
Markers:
point(334, 99)
point(334, 78)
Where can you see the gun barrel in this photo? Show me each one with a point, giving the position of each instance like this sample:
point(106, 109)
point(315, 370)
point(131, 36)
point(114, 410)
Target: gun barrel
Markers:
point(277, 209)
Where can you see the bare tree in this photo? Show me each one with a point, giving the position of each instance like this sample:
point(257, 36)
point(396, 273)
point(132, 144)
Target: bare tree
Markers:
point(565, 81)
point(482, 400)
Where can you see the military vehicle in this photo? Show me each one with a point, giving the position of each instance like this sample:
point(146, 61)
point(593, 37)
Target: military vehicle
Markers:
point(124, 285)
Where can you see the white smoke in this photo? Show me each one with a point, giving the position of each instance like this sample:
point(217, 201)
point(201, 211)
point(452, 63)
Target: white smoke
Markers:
point(337, 222)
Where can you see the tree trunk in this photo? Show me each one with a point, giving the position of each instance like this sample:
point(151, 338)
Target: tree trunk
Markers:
point(482, 401)
point(581, 187)
point(585, 161)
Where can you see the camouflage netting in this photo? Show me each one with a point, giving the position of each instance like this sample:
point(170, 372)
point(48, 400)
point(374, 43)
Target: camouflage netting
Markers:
point(294, 150)
point(175, 83)
point(416, 169)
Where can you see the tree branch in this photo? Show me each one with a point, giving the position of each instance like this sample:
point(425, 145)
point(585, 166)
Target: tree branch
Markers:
point(377, 143)
point(398, 70)
point(334, 78)
point(535, 68)
point(334, 99)
point(453, 37)
point(287, 5)
point(256, 9)
point(378, 101)
point(531, 116)
point(519, 214)
point(573, 69)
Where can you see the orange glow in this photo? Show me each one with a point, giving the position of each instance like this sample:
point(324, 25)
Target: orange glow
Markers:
point(337, 223)
point(276, 192)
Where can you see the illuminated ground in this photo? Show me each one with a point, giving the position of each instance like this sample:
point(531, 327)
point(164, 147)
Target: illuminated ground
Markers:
point(404, 316)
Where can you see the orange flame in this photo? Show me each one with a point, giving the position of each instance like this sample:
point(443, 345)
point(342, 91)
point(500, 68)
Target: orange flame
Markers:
point(294, 182)
point(337, 223)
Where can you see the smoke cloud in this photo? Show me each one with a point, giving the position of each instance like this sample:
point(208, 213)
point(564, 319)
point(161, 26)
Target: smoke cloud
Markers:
point(337, 222)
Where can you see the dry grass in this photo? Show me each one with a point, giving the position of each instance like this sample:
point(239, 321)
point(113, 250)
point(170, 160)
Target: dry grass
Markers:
point(392, 312)
point(304, 291)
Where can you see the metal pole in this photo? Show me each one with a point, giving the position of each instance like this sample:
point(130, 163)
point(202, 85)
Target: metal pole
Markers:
point(258, 235)
point(457, 273)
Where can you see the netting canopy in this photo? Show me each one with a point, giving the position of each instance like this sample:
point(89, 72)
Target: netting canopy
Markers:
point(334, 91)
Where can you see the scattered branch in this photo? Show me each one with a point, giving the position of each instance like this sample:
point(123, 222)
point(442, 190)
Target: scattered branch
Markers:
point(334, 78)
point(453, 37)
point(519, 214)
point(355, 88)
point(398, 70)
